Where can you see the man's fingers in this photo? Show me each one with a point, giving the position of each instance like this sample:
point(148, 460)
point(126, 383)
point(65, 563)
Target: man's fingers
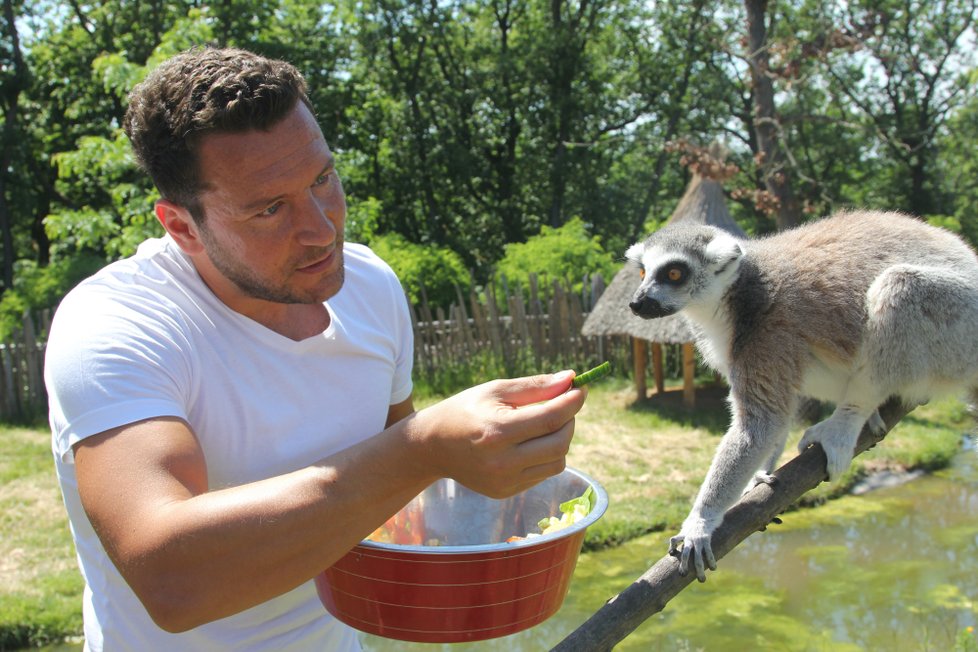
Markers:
point(552, 443)
point(546, 456)
point(541, 419)
point(518, 392)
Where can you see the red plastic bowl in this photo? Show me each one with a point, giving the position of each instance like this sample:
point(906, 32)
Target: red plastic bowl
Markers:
point(472, 585)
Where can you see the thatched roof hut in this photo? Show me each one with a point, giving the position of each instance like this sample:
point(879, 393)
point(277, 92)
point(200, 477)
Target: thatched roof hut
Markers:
point(703, 203)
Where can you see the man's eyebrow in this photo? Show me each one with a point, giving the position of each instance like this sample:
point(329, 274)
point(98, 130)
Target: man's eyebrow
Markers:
point(329, 167)
point(264, 202)
point(259, 204)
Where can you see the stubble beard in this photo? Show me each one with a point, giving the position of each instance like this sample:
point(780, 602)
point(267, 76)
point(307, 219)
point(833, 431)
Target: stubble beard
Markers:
point(244, 278)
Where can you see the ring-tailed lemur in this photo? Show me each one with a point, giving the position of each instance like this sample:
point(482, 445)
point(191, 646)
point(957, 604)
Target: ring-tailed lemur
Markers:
point(851, 309)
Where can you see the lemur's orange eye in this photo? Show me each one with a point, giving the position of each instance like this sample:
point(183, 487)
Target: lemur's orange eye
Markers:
point(673, 273)
point(641, 272)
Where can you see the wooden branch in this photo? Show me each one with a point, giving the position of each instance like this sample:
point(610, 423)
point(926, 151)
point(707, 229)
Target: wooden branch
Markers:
point(648, 595)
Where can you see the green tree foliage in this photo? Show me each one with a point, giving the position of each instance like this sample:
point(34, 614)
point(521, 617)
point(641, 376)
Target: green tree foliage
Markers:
point(471, 126)
point(959, 167)
point(121, 215)
point(433, 274)
point(888, 77)
point(36, 288)
point(566, 254)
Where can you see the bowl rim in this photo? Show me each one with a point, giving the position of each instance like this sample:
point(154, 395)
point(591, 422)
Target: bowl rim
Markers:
point(600, 506)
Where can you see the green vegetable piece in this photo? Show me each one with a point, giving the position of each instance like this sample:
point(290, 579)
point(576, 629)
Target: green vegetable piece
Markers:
point(592, 375)
point(585, 500)
point(572, 511)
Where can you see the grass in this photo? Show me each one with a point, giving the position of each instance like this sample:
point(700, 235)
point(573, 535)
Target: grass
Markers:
point(649, 455)
point(40, 587)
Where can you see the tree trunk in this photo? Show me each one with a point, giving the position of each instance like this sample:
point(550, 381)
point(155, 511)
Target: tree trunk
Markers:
point(771, 156)
point(11, 95)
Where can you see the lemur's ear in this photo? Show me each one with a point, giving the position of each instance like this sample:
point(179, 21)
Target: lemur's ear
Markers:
point(634, 253)
point(724, 249)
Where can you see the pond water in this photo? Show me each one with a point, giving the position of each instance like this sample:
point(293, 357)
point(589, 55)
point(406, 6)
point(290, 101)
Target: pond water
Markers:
point(894, 569)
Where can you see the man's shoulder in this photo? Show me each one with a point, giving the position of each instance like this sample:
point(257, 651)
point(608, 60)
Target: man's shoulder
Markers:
point(153, 259)
point(153, 281)
point(359, 258)
point(362, 254)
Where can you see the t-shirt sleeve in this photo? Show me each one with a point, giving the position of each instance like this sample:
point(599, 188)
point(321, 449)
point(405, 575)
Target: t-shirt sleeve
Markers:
point(396, 316)
point(110, 363)
point(402, 385)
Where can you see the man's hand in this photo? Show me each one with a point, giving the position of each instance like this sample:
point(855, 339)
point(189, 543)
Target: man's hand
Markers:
point(504, 436)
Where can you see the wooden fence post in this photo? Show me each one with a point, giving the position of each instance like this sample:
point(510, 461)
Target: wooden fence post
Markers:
point(689, 375)
point(640, 360)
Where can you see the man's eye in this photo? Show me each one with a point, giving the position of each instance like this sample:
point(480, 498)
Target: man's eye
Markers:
point(322, 178)
point(271, 210)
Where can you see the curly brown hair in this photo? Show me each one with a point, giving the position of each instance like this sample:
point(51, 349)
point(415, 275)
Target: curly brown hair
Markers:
point(202, 91)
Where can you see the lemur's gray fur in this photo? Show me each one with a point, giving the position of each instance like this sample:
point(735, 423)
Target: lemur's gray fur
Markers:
point(851, 309)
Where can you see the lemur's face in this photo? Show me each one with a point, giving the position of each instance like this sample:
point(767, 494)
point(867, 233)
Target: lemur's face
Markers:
point(682, 265)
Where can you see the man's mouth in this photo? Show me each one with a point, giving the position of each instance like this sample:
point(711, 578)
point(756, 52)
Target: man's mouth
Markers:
point(320, 264)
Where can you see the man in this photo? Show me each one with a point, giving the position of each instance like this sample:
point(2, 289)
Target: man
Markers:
point(231, 407)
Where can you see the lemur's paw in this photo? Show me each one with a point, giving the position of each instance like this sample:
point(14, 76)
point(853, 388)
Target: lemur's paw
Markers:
point(838, 445)
point(761, 477)
point(694, 537)
point(876, 424)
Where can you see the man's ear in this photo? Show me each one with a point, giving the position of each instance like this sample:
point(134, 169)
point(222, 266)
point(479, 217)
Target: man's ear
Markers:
point(180, 224)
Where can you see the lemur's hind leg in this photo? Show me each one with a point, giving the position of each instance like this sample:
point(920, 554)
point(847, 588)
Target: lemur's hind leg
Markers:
point(837, 435)
point(764, 474)
point(876, 423)
point(921, 337)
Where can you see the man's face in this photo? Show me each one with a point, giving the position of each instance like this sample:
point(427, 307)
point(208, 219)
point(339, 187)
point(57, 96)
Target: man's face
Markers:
point(274, 212)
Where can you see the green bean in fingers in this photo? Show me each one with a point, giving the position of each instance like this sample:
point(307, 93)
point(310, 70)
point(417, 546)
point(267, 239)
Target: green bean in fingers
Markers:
point(592, 375)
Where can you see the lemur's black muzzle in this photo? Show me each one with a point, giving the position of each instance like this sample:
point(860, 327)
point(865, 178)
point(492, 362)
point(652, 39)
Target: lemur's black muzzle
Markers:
point(648, 308)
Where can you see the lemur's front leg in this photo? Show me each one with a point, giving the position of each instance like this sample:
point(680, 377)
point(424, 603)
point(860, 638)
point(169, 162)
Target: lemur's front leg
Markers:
point(748, 445)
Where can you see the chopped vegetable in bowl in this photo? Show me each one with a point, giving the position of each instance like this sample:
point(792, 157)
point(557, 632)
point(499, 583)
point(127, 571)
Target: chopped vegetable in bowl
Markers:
point(572, 511)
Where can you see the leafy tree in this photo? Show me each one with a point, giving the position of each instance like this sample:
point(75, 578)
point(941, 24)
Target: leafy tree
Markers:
point(566, 254)
point(429, 274)
point(959, 168)
point(36, 288)
point(124, 217)
point(913, 56)
point(893, 72)
point(474, 123)
point(467, 125)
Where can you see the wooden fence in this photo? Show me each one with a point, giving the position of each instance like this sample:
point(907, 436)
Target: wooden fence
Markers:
point(524, 331)
point(22, 394)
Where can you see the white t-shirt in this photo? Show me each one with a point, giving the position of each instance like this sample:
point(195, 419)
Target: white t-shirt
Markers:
point(145, 337)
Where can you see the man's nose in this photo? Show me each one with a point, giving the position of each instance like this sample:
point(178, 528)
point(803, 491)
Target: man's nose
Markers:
point(321, 219)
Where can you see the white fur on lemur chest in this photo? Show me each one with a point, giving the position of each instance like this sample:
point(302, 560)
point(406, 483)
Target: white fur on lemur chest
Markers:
point(714, 335)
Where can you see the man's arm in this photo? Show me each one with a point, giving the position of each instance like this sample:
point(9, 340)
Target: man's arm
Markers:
point(193, 556)
point(399, 411)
